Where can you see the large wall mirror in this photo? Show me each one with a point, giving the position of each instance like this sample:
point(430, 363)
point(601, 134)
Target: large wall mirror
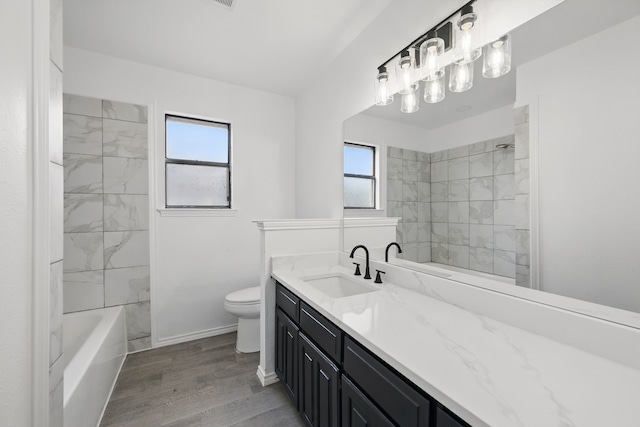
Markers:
point(532, 179)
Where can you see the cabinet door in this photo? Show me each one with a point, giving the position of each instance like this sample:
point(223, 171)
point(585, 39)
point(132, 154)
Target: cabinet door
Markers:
point(287, 354)
point(319, 389)
point(357, 410)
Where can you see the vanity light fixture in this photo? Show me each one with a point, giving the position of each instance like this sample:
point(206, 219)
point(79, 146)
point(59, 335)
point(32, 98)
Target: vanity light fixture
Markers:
point(422, 61)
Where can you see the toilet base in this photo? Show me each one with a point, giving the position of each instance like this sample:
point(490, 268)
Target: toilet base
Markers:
point(248, 336)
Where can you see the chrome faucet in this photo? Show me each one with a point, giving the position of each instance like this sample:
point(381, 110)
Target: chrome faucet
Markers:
point(366, 251)
point(386, 251)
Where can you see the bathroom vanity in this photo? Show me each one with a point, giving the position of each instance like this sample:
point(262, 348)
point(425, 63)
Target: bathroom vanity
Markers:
point(413, 352)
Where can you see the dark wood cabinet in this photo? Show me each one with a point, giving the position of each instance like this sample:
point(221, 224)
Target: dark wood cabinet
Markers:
point(287, 354)
point(318, 393)
point(358, 410)
point(443, 419)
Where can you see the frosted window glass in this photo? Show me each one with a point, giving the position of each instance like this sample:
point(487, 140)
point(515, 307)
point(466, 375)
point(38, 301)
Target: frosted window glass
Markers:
point(192, 185)
point(197, 140)
point(358, 160)
point(359, 193)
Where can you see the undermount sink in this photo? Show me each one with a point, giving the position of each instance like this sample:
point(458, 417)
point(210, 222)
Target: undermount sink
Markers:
point(338, 285)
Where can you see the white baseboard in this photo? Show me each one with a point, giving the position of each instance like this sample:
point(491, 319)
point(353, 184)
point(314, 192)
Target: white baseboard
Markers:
point(195, 335)
point(266, 379)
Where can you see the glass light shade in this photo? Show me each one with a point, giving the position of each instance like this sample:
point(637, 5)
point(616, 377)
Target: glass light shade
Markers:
point(461, 76)
point(434, 90)
point(497, 57)
point(430, 53)
point(466, 30)
point(382, 91)
point(410, 102)
point(406, 73)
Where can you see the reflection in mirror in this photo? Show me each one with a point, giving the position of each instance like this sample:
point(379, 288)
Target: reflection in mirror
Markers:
point(531, 178)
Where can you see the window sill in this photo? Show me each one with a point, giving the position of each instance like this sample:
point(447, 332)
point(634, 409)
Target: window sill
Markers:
point(363, 213)
point(198, 212)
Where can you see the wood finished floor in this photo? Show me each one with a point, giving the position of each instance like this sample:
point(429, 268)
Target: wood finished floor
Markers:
point(196, 384)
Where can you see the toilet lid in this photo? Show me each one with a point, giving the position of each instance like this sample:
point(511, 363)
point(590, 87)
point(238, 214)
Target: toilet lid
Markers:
point(245, 296)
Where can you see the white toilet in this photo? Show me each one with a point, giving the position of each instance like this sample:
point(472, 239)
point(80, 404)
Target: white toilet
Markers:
point(245, 304)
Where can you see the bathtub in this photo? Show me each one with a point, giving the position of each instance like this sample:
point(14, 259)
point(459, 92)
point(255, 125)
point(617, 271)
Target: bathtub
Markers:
point(95, 346)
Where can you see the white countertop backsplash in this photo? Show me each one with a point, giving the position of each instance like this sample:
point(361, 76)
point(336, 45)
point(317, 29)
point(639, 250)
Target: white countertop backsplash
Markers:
point(493, 359)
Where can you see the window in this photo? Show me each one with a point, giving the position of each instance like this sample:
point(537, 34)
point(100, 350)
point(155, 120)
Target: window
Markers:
point(197, 166)
point(359, 176)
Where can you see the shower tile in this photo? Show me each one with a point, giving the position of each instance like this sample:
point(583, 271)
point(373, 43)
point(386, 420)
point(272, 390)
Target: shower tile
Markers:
point(410, 252)
point(56, 212)
point(409, 212)
point(458, 168)
point(126, 249)
point(82, 105)
point(126, 285)
point(424, 171)
point(124, 139)
point(439, 191)
point(481, 259)
point(522, 176)
point(459, 190)
point(55, 111)
point(481, 188)
point(439, 171)
point(424, 252)
point(439, 156)
point(504, 263)
point(55, 312)
point(440, 253)
point(459, 256)
point(424, 232)
point(83, 213)
point(138, 319)
point(83, 251)
point(124, 212)
point(521, 115)
point(522, 247)
point(424, 192)
point(503, 161)
point(424, 212)
point(394, 169)
point(504, 187)
point(459, 234)
point(399, 232)
point(481, 165)
point(457, 152)
point(124, 111)
point(394, 209)
point(394, 152)
point(409, 170)
point(439, 232)
point(504, 237)
point(410, 232)
point(504, 213)
point(409, 191)
point(424, 158)
point(522, 212)
point(394, 189)
point(482, 147)
point(82, 173)
point(125, 176)
point(459, 212)
point(522, 141)
point(523, 276)
point(139, 344)
point(83, 291)
point(82, 135)
point(481, 236)
point(56, 393)
point(439, 212)
point(481, 212)
point(409, 155)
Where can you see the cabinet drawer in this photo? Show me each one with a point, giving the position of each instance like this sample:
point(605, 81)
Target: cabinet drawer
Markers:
point(287, 301)
point(404, 405)
point(324, 333)
point(357, 410)
point(445, 420)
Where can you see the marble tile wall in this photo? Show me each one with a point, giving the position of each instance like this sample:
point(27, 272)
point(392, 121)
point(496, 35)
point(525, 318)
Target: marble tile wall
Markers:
point(522, 197)
point(408, 197)
point(106, 211)
point(473, 202)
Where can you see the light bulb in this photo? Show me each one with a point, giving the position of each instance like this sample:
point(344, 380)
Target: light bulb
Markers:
point(382, 93)
point(465, 36)
point(430, 53)
point(410, 103)
point(461, 76)
point(405, 72)
point(497, 57)
point(434, 90)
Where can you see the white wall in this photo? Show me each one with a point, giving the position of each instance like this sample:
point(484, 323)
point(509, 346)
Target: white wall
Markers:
point(201, 259)
point(373, 130)
point(346, 87)
point(589, 165)
point(15, 213)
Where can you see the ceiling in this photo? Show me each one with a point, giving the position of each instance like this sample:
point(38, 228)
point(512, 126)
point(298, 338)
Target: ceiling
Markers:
point(272, 45)
point(564, 24)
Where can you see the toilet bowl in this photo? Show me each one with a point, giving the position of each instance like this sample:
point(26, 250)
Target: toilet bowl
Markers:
point(245, 304)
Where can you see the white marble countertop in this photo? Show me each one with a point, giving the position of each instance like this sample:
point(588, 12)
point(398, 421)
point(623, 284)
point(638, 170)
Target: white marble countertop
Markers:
point(487, 372)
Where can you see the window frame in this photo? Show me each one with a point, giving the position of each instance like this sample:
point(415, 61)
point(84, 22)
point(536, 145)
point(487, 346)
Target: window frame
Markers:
point(373, 177)
point(168, 160)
